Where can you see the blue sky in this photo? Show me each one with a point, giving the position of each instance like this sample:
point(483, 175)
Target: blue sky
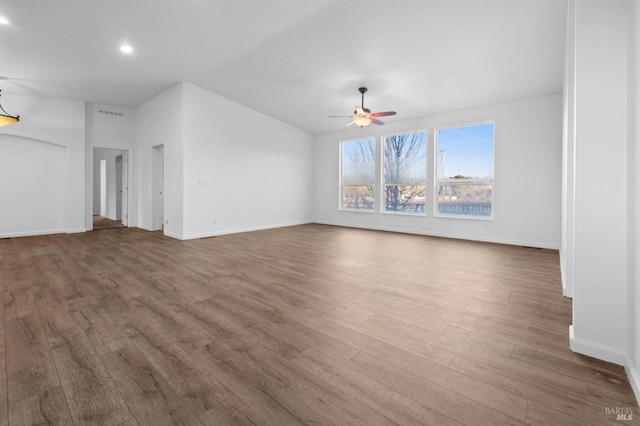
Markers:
point(468, 150)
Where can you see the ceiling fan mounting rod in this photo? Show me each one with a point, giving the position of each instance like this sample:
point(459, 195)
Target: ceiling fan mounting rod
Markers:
point(362, 90)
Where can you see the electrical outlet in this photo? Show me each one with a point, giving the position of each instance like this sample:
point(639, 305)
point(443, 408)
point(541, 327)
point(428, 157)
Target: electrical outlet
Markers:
point(215, 220)
point(54, 219)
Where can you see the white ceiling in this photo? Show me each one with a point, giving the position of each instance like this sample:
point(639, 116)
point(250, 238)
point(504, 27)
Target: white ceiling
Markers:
point(297, 61)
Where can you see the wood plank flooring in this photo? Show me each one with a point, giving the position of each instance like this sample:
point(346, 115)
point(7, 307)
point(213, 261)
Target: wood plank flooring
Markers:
point(302, 325)
point(101, 222)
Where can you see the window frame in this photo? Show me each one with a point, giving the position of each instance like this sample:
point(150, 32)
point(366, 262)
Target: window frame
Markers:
point(383, 185)
point(438, 215)
point(341, 175)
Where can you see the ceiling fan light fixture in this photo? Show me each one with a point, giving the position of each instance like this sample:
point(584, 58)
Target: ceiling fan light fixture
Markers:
point(362, 116)
point(6, 118)
point(362, 121)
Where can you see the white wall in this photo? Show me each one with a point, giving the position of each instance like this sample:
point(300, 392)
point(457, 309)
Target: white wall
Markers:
point(600, 322)
point(528, 148)
point(160, 122)
point(568, 241)
point(33, 189)
point(633, 360)
point(243, 170)
point(46, 126)
point(227, 168)
point(110, 126)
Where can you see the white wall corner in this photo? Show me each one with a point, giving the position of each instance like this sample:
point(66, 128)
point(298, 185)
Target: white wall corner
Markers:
point(596, 350)
point(567, 291)
point(634, 377)
point(174, 235)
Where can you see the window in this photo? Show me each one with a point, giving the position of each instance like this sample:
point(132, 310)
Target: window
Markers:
point(464, 183)
point(405, 173)
point(358, 175)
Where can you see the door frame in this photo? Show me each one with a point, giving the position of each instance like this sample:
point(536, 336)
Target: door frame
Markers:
point(158, 210)
point(90, 192)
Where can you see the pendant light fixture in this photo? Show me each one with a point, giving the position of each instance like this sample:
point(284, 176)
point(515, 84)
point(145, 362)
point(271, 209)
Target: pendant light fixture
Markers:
point(6, 118)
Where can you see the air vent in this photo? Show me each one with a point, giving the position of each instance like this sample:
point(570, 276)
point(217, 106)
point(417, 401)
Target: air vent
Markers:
point(104, 111)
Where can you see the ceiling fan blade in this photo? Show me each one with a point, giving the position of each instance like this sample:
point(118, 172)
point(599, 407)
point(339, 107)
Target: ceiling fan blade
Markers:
point(376, 121)
point(349, 124)
point(383, 114)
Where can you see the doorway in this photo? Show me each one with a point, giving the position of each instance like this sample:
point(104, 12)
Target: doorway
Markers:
point(122, 188)
point(157, 189)
point(110, 188)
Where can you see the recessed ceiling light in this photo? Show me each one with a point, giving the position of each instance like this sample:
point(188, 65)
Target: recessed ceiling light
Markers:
point(3, 20)
point(125, 48)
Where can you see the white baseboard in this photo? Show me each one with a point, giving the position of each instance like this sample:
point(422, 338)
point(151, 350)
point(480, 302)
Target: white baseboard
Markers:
point(596, 350)
point(634, 377)
point(172, 235)
point(444, 235)
point(75, 230)
point(146, 228)
point(567, 292)
point(239, 230)
point(33, 233)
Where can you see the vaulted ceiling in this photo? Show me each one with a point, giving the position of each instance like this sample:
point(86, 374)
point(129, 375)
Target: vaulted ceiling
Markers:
point(296, 61)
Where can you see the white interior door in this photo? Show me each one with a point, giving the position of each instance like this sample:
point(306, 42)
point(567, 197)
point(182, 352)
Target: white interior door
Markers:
point(157, 196)
point(103, 187)
point(118, 188)
point(161, 194)
point(125, 188)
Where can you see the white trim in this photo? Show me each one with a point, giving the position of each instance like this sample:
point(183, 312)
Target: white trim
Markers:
point(472, 217)
point(34, 233)
point(534, 244)
point(146, 228)
point(404, 213)
point(357, 210)
point(596, 350)
point(566, 291)
point(45, 232)
point(172, 235)
point(634, 377)
point(235, 231)
point(75, 230)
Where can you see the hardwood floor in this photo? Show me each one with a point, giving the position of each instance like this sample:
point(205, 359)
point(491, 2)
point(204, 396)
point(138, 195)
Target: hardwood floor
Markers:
point(303, 325)
point(101, 222)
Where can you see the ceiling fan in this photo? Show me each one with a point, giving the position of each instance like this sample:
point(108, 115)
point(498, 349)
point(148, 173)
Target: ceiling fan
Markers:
point(363, 116)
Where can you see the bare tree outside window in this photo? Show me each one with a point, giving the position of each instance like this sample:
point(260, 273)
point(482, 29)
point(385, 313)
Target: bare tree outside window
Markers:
point(358, 175)
point(405, 172)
